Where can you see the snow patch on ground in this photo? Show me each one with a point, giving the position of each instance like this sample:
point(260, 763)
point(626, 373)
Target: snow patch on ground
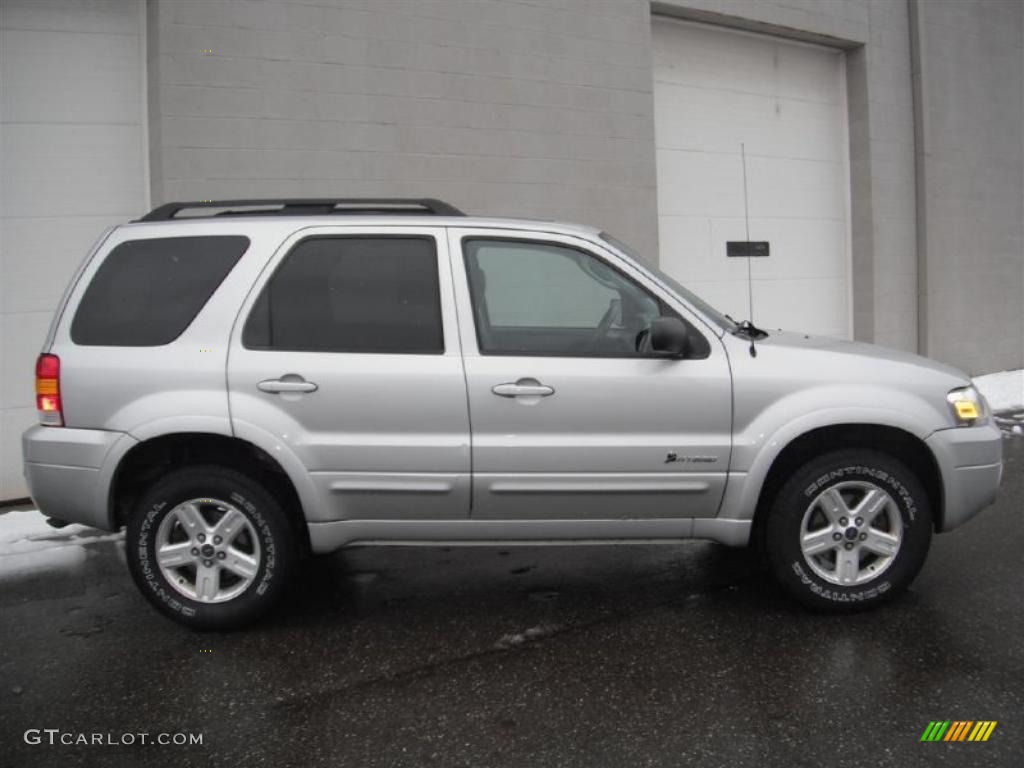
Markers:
point(533, 633)
point(28, 563)
point(1005, 393)
point(28, 544)
point(1004, 390)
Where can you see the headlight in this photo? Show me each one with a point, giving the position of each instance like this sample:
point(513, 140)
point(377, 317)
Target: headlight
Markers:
point(968, 406)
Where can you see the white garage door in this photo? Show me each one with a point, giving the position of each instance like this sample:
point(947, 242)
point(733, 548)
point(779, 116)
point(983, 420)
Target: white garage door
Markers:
point(713, 90)
point(72, 162)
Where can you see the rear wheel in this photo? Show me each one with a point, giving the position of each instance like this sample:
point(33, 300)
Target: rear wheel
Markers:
point(210, 547)
point(848, 531)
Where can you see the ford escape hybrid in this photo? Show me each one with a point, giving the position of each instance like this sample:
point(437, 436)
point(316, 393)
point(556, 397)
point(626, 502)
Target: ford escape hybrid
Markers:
point(239, 383)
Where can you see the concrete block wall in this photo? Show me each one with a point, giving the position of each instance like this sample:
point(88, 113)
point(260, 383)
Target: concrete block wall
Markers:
point(72, 163)
point(890, 192)
point(971, 181)
point(521, 108)
point(498, 106)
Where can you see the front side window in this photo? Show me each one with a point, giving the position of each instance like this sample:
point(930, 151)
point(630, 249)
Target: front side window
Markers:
point(364, 294)
point(535, 298)
point(719, 319)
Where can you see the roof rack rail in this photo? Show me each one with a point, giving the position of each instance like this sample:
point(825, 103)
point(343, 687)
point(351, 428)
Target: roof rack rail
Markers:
point(307, 206)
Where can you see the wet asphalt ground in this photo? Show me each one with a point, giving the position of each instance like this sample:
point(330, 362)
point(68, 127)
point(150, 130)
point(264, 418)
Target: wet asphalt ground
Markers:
point(597, 656)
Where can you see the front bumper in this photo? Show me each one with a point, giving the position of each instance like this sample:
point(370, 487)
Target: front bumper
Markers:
point(970, 462)
point(69, 471)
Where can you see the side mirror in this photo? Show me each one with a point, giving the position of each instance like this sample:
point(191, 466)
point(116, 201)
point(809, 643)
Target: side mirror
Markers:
point(669, 337)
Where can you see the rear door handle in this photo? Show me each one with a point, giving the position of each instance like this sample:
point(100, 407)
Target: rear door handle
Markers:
point(289, 383)
point(523, 389)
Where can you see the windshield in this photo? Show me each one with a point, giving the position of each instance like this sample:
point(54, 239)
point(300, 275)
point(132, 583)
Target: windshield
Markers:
point(672, 284)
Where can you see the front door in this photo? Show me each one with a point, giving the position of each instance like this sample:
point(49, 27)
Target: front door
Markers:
point(570, 420)
point(347, 354)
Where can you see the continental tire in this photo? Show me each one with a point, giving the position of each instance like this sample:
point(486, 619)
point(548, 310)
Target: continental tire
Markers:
point(210, 547)
point(848, 531)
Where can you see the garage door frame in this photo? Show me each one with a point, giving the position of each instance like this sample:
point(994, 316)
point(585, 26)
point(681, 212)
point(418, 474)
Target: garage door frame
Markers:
point(844, 70)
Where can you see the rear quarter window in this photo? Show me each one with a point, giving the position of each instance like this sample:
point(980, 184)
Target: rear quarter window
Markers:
point(147, 292)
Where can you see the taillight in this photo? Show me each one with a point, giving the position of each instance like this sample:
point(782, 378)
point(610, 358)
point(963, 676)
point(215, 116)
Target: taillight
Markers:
point(51, 411)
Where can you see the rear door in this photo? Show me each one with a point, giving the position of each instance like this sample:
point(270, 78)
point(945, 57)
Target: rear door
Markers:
point(569, 419)
point(346, 351)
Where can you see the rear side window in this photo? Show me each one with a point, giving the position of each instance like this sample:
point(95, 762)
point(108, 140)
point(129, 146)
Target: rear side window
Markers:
point(351, 294)
point(147, 292)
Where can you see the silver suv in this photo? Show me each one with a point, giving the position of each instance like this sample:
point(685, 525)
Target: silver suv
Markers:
point(240, 383)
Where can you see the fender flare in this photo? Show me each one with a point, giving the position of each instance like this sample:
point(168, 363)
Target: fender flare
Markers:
point(744, 487)
point(222, 427)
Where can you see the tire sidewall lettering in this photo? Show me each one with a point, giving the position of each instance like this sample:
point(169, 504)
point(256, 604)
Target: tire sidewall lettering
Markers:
point(785, 524)
point(908, 508)
point(154, 580)
point(905, 503)
point(839, 594)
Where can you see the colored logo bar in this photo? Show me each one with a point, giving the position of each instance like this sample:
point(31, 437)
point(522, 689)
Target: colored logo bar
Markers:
point(958, 730)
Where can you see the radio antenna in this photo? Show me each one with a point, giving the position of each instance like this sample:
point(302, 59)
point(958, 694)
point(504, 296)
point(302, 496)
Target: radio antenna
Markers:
point(746, 220)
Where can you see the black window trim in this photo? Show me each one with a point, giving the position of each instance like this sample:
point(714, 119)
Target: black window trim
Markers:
point(433, 239)
point(463, 238)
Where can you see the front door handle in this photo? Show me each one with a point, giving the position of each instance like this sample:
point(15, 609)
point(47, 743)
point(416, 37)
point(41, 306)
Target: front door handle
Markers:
point(290, 383)
point(523, 388)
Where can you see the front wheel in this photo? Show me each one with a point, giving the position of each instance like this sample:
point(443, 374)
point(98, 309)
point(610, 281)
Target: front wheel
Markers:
point(848, 531)
point(210, 547)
